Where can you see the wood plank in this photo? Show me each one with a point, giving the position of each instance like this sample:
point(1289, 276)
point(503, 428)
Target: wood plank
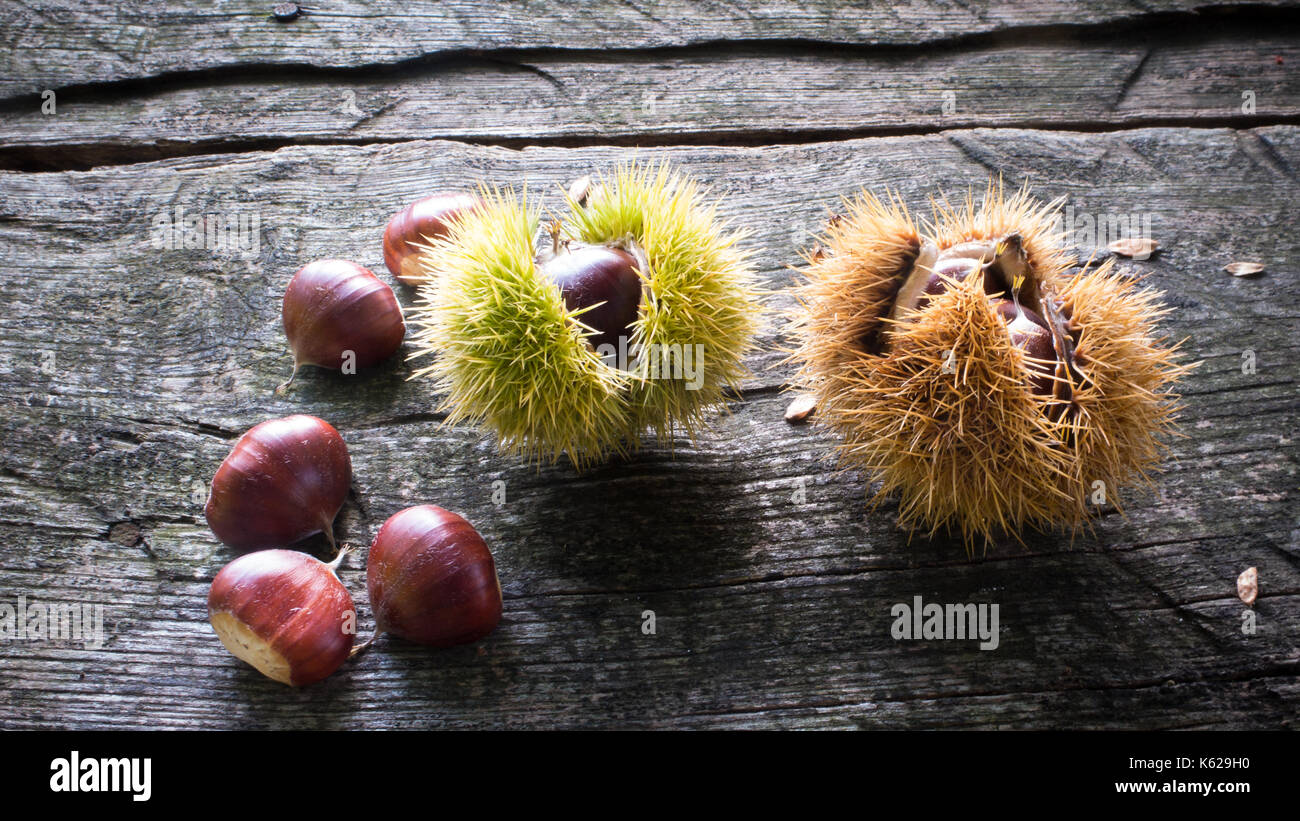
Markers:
point(720, 93)
point(125, 372)
point(96, 41)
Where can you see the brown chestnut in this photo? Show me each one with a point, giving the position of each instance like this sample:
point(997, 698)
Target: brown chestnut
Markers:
point(953, 269)
point(284, 480)
point(415, 225)
point(285, 613)
point(339, 315)
point(432, 579)
point(1028, 331)
point(602, 282)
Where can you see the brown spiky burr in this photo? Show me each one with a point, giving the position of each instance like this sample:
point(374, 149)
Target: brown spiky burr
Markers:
point(972, 373)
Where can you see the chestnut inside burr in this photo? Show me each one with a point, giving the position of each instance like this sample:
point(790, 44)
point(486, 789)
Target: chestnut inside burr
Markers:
point(602, 282)
point(1029, 332)
point(1035, 321)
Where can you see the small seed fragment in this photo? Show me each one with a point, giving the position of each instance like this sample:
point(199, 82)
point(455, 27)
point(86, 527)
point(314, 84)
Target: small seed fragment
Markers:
point(801, 408)
point(1134, 247)
point(1248, 585)
point(1243, 269)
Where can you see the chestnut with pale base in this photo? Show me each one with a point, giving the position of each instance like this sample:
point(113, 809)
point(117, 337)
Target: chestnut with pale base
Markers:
point(285, 613)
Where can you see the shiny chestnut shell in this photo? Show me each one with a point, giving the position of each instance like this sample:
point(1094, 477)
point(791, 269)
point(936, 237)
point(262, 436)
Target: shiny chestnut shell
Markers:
point(1028, 331)
point(333, 306)
point(415, 225)
point(284, 480)
point(285, 613)
point(432, 579)
point(958, 269)
point(596, 275)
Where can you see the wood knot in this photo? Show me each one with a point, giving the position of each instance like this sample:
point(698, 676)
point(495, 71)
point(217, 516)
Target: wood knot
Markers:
point(127, 534)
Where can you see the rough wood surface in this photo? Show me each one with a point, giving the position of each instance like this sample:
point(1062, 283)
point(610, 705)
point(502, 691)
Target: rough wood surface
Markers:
point(1173, 74)
point(126, 371)
point(52, 44)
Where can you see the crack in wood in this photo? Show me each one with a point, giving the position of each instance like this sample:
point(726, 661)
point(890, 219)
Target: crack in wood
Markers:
point(90, 156)
point(1109, 23)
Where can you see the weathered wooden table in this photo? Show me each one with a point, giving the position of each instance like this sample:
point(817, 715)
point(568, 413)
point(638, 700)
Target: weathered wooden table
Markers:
point(127, 369)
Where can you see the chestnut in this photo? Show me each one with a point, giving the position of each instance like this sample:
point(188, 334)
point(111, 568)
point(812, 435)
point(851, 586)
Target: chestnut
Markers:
point(1028, 331)
point(432, 579)
point(284, 480)
point(954, 269)
point(339, 315)
point(602, 282)
point(285, 613)
point(416, 224)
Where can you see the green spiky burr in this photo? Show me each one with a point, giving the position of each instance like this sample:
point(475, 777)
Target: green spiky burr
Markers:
point(510, 341)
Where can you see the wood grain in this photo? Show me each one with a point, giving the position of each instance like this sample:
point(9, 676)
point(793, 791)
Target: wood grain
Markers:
point(126, 371)
point(52, 44)
point(1174, 74)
